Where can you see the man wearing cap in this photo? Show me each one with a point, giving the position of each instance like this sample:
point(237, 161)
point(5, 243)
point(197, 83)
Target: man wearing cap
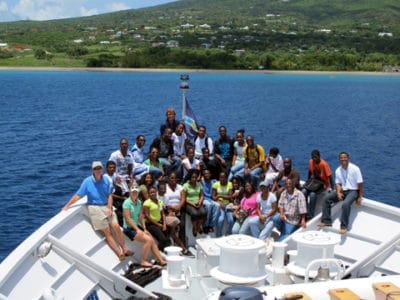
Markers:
point(98, 190)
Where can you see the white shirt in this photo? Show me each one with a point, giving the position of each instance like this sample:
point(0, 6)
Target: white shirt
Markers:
point(173, 197)
point(191, 165)
point(122, 162)
point(200, 143)
point(179, 143)
point(266, 204)
point(350, 178)
point(277, 162)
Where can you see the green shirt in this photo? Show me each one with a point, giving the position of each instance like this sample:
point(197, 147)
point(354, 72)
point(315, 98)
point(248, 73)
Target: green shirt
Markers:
point(154, 208)
point(159, 165)
point(134, 210)
point(223, 190)
point(192, 193)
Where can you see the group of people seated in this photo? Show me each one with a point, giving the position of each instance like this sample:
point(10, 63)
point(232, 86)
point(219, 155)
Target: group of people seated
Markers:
point(226, 186)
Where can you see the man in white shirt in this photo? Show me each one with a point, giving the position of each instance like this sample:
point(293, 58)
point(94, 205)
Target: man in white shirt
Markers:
point(201, 141)
point(274, 162)
point(124, 162)
point(349, 189)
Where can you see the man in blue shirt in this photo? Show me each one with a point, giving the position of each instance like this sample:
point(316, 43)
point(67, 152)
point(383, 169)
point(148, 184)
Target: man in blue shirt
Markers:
point(223, 149)
point(98, 190)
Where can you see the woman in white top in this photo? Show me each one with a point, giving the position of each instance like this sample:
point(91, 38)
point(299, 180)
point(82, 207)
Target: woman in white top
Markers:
point(179, 138)
point(267, 207)
point(238, 158)
point(174, 206)
point(189, 163)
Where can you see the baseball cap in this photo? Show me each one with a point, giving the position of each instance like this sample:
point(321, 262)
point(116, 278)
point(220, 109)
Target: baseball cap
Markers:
point(134, 188)
point(96, 164)
point(263, 183)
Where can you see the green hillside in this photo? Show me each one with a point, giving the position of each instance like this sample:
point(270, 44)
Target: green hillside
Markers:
point(230, 34)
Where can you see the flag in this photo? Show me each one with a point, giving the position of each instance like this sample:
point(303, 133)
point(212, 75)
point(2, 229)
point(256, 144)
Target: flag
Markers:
point(190, 121)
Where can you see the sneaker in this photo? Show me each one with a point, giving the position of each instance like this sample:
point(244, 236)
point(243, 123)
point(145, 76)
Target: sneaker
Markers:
point(322, 224)
point(343, 230)
point(187, 253)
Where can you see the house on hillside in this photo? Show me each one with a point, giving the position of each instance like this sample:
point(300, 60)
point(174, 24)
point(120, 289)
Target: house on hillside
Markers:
point(205, 26)
point(391, 69)
point(187, 26)
point(389, 34)
point(157, 44)
point(172, 43)
point(240, 51)
point(324, 30)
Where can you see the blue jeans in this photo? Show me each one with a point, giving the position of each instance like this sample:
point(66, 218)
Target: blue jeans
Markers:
point(221, 219)
point(259, 230)
point(349, 197)
point(175, 166)
point(156, 172)
point(310, 204)
point(243, 227)
point(254, 175)
point(235, 169)
point(212, 209)
point(284, 227)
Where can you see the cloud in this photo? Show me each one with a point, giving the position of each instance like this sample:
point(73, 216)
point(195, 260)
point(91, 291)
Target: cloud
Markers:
point(3, 6)
point(51, 9)
point(84, 12)
point(116, 6)
point(58, 9)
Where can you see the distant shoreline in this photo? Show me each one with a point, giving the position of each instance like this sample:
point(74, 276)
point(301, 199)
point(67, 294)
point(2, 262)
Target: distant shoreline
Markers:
point(191, 70)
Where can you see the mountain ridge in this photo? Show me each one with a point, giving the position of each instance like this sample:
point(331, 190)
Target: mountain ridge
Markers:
point(273, 27)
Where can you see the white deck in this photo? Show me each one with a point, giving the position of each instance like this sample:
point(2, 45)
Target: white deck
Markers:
point(80, 261)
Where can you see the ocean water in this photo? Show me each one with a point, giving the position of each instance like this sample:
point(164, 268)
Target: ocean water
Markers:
point(54, 123)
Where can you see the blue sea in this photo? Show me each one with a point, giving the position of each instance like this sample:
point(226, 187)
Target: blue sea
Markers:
point(54, 123)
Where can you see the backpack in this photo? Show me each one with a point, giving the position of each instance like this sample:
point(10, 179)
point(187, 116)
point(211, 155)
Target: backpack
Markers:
point(258, 154)
point(205, 143)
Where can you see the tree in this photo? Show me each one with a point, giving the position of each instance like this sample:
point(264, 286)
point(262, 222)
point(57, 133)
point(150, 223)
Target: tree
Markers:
point(40, 54)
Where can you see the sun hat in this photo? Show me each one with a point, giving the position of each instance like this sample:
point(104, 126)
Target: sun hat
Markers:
point(96, 164)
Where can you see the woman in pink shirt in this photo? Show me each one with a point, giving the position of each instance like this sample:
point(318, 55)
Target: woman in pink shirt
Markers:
point(246, 211)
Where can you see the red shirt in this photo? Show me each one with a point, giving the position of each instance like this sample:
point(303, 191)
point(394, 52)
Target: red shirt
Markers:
point(321, 171)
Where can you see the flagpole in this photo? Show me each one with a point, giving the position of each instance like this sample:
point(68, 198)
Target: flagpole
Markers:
point(184, 87)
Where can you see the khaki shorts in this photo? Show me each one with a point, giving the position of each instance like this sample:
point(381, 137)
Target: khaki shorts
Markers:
point(99, 216)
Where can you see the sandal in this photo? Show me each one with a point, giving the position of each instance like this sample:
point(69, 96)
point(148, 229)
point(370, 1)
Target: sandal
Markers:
point(121, 257)
point(147, 265)
point(129, 253)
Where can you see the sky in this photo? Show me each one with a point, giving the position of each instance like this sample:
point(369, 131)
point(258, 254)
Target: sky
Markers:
point(13, 10)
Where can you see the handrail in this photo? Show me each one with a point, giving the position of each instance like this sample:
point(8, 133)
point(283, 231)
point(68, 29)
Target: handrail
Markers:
point(374, 254)
point(90, 266)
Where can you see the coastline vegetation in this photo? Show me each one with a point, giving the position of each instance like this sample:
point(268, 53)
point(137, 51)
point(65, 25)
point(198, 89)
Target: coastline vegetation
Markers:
point(310, 35)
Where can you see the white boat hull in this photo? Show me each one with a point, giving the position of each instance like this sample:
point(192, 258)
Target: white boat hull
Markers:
point(79, 262)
